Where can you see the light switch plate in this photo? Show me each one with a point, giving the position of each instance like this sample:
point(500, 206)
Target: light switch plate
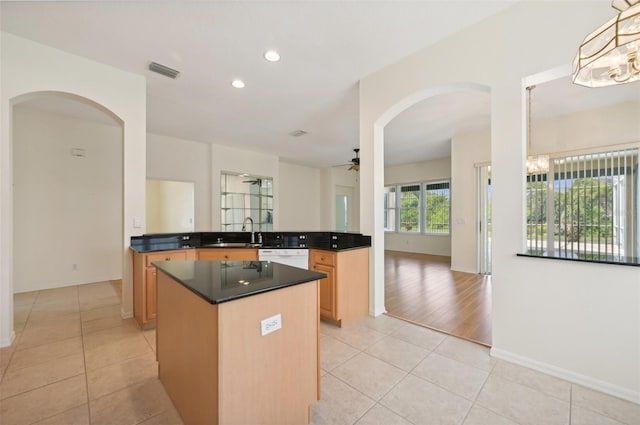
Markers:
point(271, 324)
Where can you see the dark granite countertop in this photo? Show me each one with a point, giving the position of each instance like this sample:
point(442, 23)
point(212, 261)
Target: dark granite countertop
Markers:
point(222, 281)
point(585, 258)
point(330, 241)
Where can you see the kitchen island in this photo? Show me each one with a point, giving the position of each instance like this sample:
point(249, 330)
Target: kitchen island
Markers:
point(343, 257)
point(237, 342)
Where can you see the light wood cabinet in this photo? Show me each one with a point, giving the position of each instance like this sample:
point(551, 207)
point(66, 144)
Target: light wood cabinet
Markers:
point(145, 283)
point(150, 294)
point(217, 254)
point(145, 275)
point(216, 366)
point(344, 293)
point(327, 290)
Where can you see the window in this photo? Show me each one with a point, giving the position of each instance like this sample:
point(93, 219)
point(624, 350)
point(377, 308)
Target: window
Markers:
point(585, 206)
point(418, 208)
point(243, 197)
point(410, 208)
point(436, 207)
point(390, 208)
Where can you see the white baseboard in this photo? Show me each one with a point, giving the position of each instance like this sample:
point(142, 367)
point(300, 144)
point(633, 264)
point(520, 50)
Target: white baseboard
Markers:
point(463, 269)
point(567, 375)
point(6, 342)
point(126, 314)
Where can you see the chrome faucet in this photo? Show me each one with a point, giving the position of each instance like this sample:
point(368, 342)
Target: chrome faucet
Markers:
point(244, 228)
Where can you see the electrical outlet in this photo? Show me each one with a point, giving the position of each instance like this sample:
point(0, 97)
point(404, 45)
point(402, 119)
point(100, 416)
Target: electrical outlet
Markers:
point(271, 324)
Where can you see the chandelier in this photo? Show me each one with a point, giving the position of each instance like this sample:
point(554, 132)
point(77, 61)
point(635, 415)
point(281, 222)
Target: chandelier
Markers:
point(536, 164)
point(609, 55)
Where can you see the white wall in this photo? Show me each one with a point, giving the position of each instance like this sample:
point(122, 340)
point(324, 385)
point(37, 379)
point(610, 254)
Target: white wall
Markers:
point(297, 189)
point(28, 68)
point(67, 209)
point(610, 125)
point(425, 171)
point(573, 320)
point(299, 197)
point(170, 158)
point(170, 206)
point(330, 179)
point(466, 151)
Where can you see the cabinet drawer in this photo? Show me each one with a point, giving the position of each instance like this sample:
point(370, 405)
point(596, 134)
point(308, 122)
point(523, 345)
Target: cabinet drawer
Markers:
point(322, 257)
point(228, 254)
point(166, 256)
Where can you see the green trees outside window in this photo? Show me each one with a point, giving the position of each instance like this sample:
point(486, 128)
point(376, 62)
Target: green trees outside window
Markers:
point(585, 205)
point(437, 207)
point(421, 208)
point(410, 208)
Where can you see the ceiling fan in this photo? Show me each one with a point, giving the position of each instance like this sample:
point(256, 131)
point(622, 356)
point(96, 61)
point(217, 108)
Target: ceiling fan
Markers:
point(255, 181)
point(355, 162)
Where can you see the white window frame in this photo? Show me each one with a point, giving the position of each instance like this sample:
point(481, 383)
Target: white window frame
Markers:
point(421, 208)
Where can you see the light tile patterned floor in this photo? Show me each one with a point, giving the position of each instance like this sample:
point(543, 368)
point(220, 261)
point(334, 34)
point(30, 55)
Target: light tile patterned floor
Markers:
point(385, 371)
point(75, 361)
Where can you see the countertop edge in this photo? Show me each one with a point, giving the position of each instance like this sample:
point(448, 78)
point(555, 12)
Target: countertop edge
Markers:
point(145, 251)
point(318, 276)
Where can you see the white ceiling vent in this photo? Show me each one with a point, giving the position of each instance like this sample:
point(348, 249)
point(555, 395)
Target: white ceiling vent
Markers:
point(298, 133)
point(163, 70)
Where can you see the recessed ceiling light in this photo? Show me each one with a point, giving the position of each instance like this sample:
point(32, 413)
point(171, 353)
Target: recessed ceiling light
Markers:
point(239, 84)
point(271, 56)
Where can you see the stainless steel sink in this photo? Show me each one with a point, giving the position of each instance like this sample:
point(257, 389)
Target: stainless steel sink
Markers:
point(232, 245)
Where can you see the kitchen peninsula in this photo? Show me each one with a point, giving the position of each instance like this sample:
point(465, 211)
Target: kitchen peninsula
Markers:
point(237, 342)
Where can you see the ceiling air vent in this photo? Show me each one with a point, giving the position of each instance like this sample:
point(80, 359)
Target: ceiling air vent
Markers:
point(163, 70)
point(298, 133)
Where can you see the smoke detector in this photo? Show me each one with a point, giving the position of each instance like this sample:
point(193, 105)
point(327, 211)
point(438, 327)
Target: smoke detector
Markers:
point(163, 70)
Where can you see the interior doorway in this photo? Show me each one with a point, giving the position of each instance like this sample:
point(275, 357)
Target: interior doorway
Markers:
point(483, 173)
point(414, 278)
point(67, 192)
point(343, 208)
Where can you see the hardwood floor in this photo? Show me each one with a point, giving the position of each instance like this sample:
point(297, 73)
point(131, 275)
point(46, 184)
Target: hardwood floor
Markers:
point(422, 289)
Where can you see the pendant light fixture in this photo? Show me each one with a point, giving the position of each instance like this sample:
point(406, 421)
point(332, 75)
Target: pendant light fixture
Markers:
point(536, 164)
point(611, 54)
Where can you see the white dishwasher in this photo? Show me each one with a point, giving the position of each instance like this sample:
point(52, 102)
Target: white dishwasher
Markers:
point(296, 257)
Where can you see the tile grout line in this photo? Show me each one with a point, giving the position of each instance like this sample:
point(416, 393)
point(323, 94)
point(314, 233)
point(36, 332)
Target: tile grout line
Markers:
point(392, 388)
point(356, 390)
point(377, 402)
point(84, 361)
point(15, 341)
point(526, 385)
point(349, 385)
point(42, 386)
point(570, 401)
point(475, 399)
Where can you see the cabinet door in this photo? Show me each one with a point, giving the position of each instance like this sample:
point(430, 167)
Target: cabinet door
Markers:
point(166, 256)
point(328, 307)
point(228, 254)
point(150, 294)
point(322, 257)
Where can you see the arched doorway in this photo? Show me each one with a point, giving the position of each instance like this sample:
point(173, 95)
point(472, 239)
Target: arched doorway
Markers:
point(30, 68)
point(67, 191)
point(374, 157)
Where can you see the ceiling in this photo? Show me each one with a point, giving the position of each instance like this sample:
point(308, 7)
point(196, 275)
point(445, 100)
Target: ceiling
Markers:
point(326, 48)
